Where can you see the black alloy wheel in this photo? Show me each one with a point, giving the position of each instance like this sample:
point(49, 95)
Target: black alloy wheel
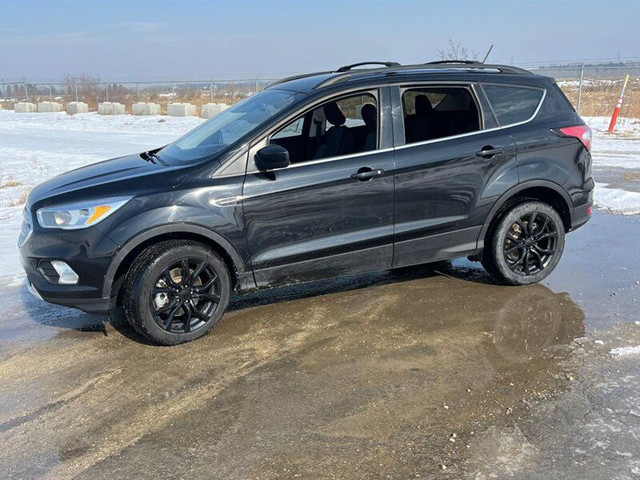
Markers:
point(185, 296)
point(176, 291)
point(524, 244)
point(530, 243)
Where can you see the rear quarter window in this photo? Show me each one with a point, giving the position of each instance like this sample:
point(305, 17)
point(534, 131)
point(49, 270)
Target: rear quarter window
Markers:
point(561, 94)
point(512, 104)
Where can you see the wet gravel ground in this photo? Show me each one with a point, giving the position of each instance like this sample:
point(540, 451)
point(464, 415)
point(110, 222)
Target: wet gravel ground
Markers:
point(621, 178)
point(424, 372)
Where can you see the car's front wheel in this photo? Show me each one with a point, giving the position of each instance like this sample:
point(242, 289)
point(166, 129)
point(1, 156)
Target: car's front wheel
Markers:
point(525, 245)
point(176, 292)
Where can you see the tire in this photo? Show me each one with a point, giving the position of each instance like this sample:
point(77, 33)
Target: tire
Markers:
point(169, 307)
point(513, 254)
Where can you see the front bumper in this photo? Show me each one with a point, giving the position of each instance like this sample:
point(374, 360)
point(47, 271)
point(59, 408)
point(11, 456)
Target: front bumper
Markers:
point(88, 305)
point(88, 252)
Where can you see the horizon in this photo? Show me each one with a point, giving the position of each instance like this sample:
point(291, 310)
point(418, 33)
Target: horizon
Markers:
point(44, 41)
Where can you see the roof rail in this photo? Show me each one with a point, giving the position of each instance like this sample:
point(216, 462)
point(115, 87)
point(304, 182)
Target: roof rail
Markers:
point(475, 64)
point(296, 77)
point(347, 68)
point(345, 72)
point(466, 62)
point(344, 76)
point(342, 69)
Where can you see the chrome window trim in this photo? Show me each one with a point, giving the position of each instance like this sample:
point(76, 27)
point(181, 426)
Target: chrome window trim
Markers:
point(481, 98)
point(314, 162)
point(257, 143)
point(462, 135)
point(341, 157)
point(444, 139)
point(515, 85)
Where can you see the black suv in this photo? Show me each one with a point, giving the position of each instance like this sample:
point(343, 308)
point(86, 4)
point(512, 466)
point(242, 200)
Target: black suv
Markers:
point(319, 175)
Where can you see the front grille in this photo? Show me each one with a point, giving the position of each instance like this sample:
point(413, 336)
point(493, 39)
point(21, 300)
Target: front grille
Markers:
point(27, 226)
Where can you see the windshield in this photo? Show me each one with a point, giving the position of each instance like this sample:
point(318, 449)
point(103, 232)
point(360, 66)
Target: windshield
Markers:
point(229, 126)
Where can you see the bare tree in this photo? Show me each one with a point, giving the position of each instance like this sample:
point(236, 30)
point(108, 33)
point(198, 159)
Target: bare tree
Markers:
point(88, 88)
point(457, 51)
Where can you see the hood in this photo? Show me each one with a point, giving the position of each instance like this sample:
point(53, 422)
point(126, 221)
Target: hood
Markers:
point(130, 175)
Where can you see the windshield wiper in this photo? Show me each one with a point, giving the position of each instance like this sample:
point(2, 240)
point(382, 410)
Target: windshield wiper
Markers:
point(152, 157)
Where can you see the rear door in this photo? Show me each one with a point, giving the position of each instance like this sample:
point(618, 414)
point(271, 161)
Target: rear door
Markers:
point(323, 216)
point(452, 163)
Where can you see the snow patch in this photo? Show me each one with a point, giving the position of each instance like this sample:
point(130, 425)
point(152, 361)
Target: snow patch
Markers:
point(620, 149)
point(35, 147)
point(625, 351)
point(616, 200)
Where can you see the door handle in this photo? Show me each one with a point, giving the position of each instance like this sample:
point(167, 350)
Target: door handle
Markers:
point(488, 151)
point(366, 173)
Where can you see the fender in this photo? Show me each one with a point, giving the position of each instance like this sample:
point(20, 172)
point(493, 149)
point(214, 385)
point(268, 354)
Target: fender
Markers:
point(162, 230)
point(513, 191)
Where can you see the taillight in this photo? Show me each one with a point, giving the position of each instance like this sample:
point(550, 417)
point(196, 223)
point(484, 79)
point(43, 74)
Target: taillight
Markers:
point(581, 132)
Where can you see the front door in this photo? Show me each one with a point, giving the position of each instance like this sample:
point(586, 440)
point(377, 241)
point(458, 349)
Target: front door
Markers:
point(329, 213)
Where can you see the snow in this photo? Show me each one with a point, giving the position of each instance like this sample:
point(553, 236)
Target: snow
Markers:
point(621, 149)
point(38, 146)
point(35, 147)
point(625, 351)
point(616, 200)
point(589, 83)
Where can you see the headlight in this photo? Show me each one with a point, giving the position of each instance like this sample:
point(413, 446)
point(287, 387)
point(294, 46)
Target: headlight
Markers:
point(73, 216)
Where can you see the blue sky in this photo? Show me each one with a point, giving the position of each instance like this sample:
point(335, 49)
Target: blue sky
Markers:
point(133, 40)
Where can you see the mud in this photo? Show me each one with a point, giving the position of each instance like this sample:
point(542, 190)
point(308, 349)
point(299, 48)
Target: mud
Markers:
point(430, 372)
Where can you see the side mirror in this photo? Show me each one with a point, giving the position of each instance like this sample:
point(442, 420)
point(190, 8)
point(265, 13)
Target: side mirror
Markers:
point(272, 157)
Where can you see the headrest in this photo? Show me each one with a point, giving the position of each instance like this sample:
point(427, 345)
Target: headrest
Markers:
point(333, 114)
point(423, 106)
point(369, 114)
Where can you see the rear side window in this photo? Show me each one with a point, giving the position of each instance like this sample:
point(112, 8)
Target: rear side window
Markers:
point(512, 104)
point(438, 112)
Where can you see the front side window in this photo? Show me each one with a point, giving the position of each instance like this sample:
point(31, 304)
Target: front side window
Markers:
point(229, 126)
point(512, 104)
point(340, 127)
point(437, 112)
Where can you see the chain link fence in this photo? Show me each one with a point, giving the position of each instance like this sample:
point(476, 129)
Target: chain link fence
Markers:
point(93, 91)
point(593, 90)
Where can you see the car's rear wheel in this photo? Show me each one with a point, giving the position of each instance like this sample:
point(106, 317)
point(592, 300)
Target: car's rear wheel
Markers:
point(176, 292)
point(525, 245)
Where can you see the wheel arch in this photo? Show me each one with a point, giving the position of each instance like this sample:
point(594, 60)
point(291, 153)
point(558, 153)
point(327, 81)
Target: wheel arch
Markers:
point(127, 254)
point(543, 190)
